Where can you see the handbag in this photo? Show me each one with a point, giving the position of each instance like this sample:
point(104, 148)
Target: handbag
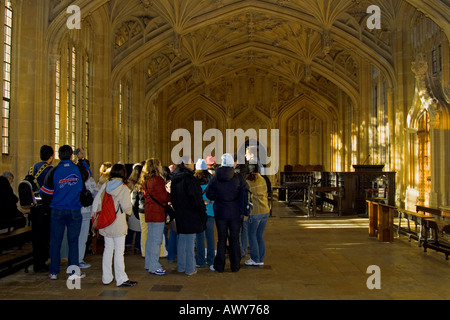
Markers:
point(86, 198)
point(168, 209)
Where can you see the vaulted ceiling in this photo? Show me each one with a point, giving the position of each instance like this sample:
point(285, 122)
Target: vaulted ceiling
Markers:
point(313, 43)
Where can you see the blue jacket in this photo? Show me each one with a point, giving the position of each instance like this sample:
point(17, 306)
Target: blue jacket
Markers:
point(208, 203)
point(63, 185)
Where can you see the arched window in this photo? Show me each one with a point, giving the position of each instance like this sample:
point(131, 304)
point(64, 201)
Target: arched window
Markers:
point(72, 97)
point(7, 51)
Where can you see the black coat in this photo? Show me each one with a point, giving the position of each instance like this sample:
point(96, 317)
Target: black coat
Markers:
point(8, 200)
point(225, 188)
point(187, 201)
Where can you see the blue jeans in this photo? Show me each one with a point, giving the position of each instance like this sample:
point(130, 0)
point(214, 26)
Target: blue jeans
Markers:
point(186, 253)
point(153, 246)
point(256, 226)
point(210, 244)
point(59, 220)
point(171, 245)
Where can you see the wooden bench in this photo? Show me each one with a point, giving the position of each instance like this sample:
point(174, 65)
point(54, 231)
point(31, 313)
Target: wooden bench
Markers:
point(432, 223)
point(15, 238)
point(429, 210)
point(13, 223)
point(417, 217)
point(433, 228)
point(15, 264)
point(381, 221)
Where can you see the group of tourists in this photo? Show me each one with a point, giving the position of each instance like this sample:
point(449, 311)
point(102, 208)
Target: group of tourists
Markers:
point(161, 209)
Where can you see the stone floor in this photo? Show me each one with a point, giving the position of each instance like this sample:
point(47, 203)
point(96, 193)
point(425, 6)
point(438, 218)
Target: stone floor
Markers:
point(322, 258)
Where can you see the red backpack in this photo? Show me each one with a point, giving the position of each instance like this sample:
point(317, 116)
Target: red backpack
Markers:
point(107, 215)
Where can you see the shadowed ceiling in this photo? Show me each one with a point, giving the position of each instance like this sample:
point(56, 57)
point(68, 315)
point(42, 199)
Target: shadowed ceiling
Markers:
point(315, 44)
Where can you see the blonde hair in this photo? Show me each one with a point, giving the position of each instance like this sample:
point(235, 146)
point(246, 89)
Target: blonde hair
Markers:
point(151, 167)
point(105, 168)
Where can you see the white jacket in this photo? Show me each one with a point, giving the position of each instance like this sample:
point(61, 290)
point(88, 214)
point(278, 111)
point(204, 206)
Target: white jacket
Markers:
point(121, 196)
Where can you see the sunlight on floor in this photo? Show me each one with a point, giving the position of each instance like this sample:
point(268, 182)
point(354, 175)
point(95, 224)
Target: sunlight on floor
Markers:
point(334, 223)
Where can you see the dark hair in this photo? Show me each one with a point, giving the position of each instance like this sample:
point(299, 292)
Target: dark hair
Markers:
point(134, 177)
point(165, 173)
point(118, 171)
point(251, 172)
point(46, 152)
point(203, 176)
point(65, 152)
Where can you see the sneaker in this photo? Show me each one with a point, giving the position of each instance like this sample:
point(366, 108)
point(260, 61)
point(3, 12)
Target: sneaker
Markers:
point(192, 273)
point(84, 265)
point(77, 276)
point(128, 283)
point(211, 267)
point(159, 272)
point(250, 262)
point(53, 276)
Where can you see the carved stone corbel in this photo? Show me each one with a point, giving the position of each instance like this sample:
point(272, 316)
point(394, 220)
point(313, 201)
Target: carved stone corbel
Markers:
point(420, 68)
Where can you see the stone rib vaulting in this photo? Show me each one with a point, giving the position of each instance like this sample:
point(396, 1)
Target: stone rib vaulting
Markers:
point(339, 92)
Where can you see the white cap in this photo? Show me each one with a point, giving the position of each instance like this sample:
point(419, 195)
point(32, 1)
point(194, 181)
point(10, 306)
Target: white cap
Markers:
point(201, 165)
point(227, 160)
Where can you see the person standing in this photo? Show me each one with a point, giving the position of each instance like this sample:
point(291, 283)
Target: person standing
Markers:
point(170, 229)
point(225, 189)
point(258, 217)
point(115, 233)
point(190, 213)
point(156, 196)
point(40, 214)
point(86, 213)
point(134, 225)
point(204, 176)
point(62, 188)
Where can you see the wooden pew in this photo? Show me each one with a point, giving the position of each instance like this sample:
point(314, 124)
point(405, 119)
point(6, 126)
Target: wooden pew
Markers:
point(381, 221)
